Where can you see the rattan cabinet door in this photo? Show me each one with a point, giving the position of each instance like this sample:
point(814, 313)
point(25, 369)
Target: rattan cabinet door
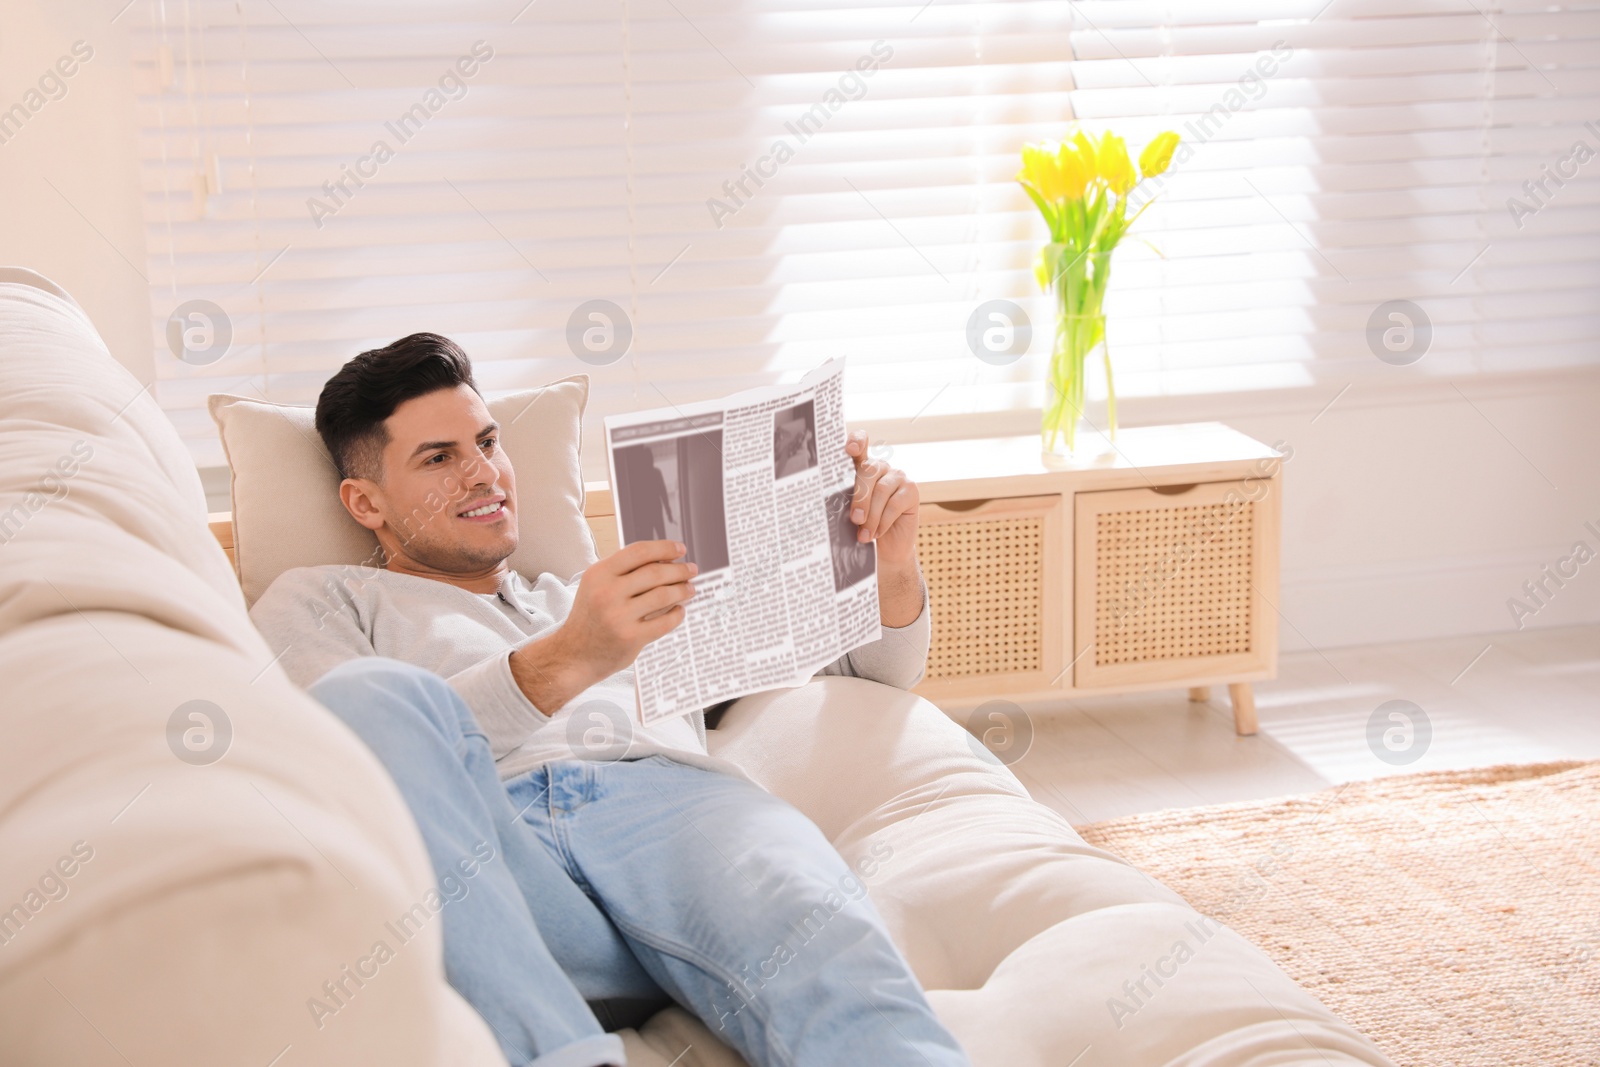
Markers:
point(1175, 584)
point(997, 588)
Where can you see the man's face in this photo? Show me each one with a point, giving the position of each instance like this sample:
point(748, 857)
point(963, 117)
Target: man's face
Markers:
point(448, 496)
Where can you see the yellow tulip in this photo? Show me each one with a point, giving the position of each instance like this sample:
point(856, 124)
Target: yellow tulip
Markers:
point(1039, 169)
point(1085, 151)
point(1157, 155)
point(1075, 173)
point(1114, 165)
point(1030, 163)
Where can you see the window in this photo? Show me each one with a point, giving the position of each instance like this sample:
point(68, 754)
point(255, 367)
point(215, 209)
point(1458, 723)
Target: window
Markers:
point(1348, 154)
point(760, 186)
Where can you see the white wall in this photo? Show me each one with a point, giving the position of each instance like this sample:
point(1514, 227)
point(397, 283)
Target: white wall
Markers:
point(86, 233)
point(1420, 513)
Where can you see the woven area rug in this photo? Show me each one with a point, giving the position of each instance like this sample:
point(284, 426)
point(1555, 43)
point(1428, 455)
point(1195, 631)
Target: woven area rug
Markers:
point(1452, 917)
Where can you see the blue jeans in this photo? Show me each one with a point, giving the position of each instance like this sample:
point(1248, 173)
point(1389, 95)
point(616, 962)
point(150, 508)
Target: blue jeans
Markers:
point(636, 882)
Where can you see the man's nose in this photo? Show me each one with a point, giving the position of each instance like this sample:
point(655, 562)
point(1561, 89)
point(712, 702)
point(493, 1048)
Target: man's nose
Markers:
point(475, 472)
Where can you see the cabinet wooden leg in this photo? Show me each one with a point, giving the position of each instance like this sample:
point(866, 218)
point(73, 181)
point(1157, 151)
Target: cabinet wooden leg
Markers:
point(1199, 694)
point(1244, 708)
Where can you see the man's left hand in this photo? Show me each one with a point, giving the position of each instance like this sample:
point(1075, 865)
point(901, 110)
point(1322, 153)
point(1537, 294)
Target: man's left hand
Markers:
point(884, 507)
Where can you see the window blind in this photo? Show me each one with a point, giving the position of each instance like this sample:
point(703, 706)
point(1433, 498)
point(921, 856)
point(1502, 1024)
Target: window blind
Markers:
point(759, 186)
point(1345, 155)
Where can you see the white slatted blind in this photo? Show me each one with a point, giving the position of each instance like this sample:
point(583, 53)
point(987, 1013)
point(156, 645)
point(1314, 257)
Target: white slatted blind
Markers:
point(1373, 164)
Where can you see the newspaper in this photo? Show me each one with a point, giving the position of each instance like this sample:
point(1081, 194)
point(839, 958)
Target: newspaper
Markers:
point(757, 486)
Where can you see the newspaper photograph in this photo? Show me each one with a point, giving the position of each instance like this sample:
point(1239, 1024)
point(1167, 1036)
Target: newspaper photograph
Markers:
point(757, 487)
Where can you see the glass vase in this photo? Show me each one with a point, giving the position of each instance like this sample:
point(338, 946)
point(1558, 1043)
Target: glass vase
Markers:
point(1077, 277)
point(1067, 437)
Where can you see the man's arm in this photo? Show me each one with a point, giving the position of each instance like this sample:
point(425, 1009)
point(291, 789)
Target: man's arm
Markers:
point(310, 618)
point(624, 602)
point(899, 592)
point(898, 658)
point(884, 508)
point(310, 622)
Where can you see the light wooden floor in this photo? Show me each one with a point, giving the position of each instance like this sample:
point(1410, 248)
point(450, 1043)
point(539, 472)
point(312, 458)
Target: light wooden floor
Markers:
point(1503, 698)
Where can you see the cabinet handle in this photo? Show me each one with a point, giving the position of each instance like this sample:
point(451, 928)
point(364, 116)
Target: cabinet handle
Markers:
point(962, 505)
point(1173, 490)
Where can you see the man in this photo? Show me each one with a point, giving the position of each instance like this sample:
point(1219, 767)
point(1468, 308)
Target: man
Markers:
point(638, 873)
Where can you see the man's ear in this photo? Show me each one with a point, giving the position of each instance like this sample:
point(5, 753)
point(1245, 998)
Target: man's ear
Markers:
point(360, 499)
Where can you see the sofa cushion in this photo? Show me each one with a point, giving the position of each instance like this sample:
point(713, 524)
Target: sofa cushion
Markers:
point(1026, 938)
point(286, 508)
point(175, 889)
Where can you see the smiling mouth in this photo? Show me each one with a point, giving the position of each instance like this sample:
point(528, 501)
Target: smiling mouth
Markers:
point(484, 511)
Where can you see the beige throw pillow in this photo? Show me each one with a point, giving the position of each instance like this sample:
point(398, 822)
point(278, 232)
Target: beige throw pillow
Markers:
point(286, 508)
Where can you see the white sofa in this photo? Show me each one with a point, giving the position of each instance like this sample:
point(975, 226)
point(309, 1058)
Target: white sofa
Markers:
point(219, 898)
point(206, 904)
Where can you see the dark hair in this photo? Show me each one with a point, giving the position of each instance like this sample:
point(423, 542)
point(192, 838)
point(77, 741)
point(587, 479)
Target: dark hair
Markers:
point(366, 390)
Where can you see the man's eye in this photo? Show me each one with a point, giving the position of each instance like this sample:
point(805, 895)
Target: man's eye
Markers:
point(488, 444)
point(437, 459)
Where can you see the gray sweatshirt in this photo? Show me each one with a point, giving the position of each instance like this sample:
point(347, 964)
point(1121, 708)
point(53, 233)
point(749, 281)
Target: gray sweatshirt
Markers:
point(318, 617)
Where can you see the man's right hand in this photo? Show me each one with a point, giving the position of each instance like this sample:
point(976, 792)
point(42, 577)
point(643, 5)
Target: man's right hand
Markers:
point(624, 602)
